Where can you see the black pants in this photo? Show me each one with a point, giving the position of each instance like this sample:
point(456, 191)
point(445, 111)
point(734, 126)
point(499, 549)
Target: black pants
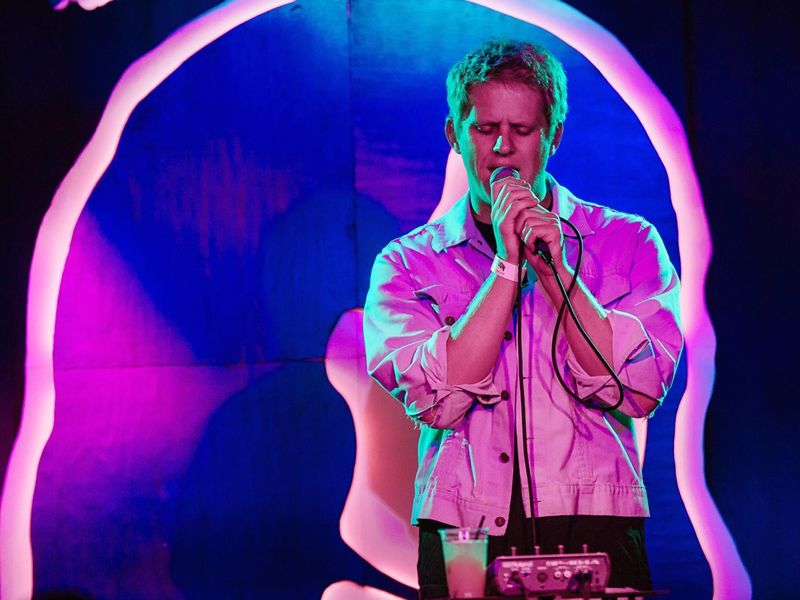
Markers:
point(622, 538)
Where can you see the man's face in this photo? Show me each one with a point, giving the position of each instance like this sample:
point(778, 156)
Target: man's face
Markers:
point(507, 127)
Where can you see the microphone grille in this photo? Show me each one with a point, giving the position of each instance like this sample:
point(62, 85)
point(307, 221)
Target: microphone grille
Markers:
point(501, 172)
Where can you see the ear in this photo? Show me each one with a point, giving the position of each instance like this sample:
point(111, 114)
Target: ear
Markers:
point(450, 134)
point(556, 138)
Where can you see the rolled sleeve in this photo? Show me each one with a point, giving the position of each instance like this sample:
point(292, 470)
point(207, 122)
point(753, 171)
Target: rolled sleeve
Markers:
point(406, 347)
point(448, 402)
point(645, 328)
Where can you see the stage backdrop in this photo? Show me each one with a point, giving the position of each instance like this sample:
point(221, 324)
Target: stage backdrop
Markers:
point(199, 450)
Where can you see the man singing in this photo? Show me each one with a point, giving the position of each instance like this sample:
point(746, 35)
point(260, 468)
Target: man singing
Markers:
point(446, 335)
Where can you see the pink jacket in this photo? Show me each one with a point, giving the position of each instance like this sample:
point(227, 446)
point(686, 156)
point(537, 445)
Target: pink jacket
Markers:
point(583, 461)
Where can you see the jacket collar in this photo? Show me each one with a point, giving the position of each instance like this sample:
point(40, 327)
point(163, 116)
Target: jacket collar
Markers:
point(567, 206)
point(455, 226)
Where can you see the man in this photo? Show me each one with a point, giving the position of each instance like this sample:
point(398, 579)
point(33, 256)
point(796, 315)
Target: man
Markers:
point(440, 328)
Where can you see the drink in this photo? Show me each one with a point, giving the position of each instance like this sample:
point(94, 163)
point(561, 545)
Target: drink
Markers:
point(465, 561)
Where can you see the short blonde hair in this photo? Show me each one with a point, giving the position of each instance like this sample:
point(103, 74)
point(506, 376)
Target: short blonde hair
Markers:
point(509, 61)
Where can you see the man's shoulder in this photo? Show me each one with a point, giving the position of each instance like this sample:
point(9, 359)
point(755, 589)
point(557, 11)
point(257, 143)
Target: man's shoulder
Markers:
point(615, 235)
point(450, 228)
point(603, 218)
point(605, 215)
point(424, 239)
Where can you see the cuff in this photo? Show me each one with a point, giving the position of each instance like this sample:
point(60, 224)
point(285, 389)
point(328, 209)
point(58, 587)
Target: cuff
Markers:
point(630, 343)
point(448, 400)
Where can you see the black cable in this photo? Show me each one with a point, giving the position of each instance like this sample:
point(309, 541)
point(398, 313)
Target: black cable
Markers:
point(521, 379)
point(567, 304)
point(516, 578)
point(520, 360)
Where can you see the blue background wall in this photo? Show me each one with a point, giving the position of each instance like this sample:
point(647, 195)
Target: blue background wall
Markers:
point(244, 306)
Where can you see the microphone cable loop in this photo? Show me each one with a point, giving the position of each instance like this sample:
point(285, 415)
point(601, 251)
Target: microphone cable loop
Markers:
point(566, 304)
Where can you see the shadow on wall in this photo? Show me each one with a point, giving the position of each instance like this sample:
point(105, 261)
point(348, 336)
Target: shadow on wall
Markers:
point(262, 491)
point(262, 495)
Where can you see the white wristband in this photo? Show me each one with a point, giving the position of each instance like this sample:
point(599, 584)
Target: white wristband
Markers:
point(505, 269)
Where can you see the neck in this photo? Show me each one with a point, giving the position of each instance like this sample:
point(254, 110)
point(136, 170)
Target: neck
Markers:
point(546, 193)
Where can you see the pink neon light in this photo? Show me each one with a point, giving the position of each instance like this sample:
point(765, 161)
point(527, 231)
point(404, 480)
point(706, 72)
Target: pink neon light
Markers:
point(375, 519)
point(47, 267)
point(347, 590)
point(144, 75)
point(665, 131)
point(663, 127)
point(84, 4)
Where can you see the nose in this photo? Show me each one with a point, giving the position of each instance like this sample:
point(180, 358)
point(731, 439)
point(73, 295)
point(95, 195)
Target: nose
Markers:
point(502, 145)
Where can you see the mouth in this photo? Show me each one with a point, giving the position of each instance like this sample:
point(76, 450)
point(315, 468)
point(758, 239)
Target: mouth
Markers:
point(494, 168)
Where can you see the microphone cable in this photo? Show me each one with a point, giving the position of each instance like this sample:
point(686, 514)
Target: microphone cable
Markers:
point(566, 304)
point(522, 409)
point(520, 359)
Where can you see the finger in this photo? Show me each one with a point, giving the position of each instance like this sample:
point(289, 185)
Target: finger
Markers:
point(509, 178)
point(535, 217)
point(526, 236)
point(545, 228)
point(522, 200)
point(509, 194)
point(506, 212)
point(497, 186)
point(510, 181)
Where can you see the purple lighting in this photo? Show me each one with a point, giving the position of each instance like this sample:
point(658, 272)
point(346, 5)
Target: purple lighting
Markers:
point(665, 131)
point(344, 357)
point(47, 267)
point(84, 4)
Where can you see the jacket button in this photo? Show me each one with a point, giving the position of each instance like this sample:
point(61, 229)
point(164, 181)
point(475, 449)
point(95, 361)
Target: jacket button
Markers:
point(507, 336)
point(449, 320)
point(504, 395)
point(500, 521)
point(504, 457)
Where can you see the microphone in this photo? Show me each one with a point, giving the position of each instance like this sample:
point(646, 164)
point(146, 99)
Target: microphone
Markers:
point(540, 246)
point(501, 172)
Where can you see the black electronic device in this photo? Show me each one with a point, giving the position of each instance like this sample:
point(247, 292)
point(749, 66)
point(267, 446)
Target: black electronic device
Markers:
point(543, 573)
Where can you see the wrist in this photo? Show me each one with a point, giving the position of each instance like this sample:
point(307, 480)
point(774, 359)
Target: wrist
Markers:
point(504, 254)
point(505, 268)
point(549, 284)
point(544, 269)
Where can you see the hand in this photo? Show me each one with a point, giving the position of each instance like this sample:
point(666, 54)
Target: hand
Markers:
point(511, 198)
point(537, 224)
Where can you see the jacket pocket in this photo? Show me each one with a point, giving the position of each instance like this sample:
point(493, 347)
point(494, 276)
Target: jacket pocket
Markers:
point(607, 287)
point(448, 304)
point(458, 470)
point(446, 459)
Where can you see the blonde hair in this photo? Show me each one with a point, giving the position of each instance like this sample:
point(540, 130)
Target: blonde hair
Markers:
point(509, 61)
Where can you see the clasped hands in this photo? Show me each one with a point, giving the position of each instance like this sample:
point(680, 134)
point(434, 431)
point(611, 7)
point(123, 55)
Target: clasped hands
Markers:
point(518, 215)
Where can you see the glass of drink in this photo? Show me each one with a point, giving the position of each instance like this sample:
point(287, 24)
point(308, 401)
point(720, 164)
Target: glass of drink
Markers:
point(465, 560)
